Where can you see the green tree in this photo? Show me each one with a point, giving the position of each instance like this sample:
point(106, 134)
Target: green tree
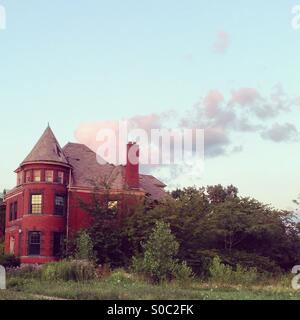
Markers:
point(105, 230)
point(159, 260)
point(84, 247)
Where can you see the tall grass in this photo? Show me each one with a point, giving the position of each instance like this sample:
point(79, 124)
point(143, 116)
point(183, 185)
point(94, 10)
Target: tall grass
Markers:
point(65, 270)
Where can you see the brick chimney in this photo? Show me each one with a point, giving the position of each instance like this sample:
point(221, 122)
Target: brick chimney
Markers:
point(132, 166)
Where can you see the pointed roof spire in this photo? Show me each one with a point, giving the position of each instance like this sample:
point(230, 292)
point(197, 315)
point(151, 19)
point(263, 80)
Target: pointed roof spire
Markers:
point(46, 149)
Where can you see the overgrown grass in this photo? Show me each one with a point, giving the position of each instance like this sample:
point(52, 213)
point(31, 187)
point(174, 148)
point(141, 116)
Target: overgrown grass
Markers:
point(121, 285)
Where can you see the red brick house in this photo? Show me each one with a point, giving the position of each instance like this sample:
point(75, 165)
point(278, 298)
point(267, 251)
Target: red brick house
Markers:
point(43, 209)
point(2, 220)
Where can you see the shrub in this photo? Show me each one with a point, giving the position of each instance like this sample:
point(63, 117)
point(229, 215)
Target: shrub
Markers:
point(72, 270)
point(251, 260)
point(84, 247)
point(182, 272)
point(9, 261)
point(1, 248)
point(159, 262)
point(225, 274)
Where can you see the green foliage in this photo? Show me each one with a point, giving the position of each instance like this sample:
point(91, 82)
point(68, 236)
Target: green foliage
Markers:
point(26, 271)
point(159, 261)
point(120, 276)
point(1, 248)
point(9, 261)
point(182, 272)
point(108, 244)
point(216, 221)
point(73, 270)
point(122, 285)
point(84, 247)
point(221, 273)
point(206, 222)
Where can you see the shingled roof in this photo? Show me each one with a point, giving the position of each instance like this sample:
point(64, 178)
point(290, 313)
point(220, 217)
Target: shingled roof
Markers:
point(46, 149)
point(153, 187)
point(87, 171)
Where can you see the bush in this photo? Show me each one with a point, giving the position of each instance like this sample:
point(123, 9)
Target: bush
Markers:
point(159, 262)
point(9, 261)
point(73, 270)
point(1, 248)
point(251, 260)
point(26, 271)
point(225, 274)
point(84, 247)
point(182, 272)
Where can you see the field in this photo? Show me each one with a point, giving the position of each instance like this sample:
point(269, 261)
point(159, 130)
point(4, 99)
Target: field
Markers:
point(124, 286)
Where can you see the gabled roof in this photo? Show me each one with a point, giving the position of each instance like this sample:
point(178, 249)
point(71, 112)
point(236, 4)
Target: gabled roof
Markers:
point(46, 149)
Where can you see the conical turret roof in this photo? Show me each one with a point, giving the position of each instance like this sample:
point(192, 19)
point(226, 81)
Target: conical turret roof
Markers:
point(46, 149)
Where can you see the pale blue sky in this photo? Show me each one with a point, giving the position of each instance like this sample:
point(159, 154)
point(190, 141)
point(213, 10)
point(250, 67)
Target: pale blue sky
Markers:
point(69, 62)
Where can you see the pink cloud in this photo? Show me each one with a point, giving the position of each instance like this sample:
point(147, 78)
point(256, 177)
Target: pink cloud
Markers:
point(245, 96)
point(212, 103)
point(222, 42)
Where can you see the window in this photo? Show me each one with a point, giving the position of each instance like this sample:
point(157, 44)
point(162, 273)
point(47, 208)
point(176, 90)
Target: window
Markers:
point(112, 207)
point(34, 243)
point(112, 204)
point(58, 244)
point(13, 211)
point(19, 178)
point(60, 205)
point(37, 175)
point(60, 177)
point(12, 241)
point(49, 176)
point(36, 204)
point(28, 176)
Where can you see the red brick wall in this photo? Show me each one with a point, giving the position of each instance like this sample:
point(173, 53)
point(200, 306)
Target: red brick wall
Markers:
point(2, 223)
point(80, 219)
point(47, 223)
point(131, 168)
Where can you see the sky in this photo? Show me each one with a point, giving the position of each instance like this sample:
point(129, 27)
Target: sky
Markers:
point(230, 67)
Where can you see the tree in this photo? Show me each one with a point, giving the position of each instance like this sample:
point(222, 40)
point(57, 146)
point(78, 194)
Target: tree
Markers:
point(159, 260)
point(216, 221)
point(84, 247)
point(105, 230)
point(218, 193)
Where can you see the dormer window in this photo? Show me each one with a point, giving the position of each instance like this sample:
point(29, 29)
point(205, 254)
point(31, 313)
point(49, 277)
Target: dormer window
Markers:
point(60, 177)
point(37, 175)
point(49, 175)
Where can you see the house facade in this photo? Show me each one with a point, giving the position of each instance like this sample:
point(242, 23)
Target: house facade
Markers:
point(43, 209)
